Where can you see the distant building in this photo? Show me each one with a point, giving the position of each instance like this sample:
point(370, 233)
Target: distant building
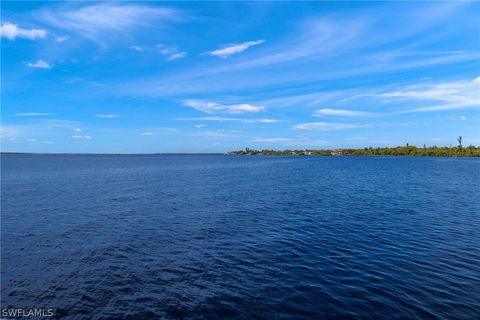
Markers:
point(336, 152)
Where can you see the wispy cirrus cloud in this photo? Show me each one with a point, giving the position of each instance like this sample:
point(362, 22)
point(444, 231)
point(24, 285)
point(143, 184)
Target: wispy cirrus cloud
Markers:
point(107, 115)
point(137, 48)
point(39, 64)
point(411, 98)
point(329, 126)
point(332, 45)
point(229, 119)
point(278, 139)
point(325, 126)
point(62, 39)
point(99, 22)
point(14, 140)
point(176, 56)
point(440, 96)
point(341, 113)
point(233, 49)
point(40, 128)
point(79, 136)
point(213, 107)
point(82, 137)
point(32, 114)
point(12, 31)
point(170, 52)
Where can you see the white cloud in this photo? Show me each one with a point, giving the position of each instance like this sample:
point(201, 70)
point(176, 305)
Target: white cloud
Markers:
point(77, 130)
point(85, 137)
point(40, 64)
point(325, 126)
point(440, 96)
point(212, 107)
point(42, 130)
point(148, 134)
point(176, 56)
point(200, 126)
point(234, 49)
point(454, 118)
point(100, 22)
point(61, 39)
point(273, 140)
point(261, 120)
point(107, 116)
point(334, 43)
point(137, 48)
point(171, 53)
point(228, 119)
point(32, 114)
point(328, 126)
point(12, 31)
point(340, 113)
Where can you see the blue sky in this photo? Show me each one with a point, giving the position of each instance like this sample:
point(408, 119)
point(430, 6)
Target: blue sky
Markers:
point(147, 77)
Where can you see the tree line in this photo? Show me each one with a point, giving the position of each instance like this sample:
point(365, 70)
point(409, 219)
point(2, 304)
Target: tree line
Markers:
point(407, 150)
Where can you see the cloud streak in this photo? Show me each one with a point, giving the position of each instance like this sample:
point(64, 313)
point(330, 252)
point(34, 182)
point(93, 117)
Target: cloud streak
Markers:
point(32, 114)
point(325, 126)
point(234, 49)
point(440, 96)
point(80, 137)
point(100, 22)
point(273, 140)
point(171, 53)
point(341, 113)
point(228, 119)
point(107, 116)
point(40, 64)
point(12, 31)
point(212, 107)
point(333, 45)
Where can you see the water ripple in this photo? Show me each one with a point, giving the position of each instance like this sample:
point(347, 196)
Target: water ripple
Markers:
point(208, 237)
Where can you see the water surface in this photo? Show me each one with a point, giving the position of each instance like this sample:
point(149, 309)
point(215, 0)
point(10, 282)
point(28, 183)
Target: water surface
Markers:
point(213, 236)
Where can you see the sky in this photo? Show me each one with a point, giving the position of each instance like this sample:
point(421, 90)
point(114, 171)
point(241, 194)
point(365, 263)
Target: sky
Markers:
point(148, 77)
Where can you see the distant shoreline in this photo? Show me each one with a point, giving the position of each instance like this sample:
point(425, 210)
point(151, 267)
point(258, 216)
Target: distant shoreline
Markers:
point(413, 151)
point(234, 154)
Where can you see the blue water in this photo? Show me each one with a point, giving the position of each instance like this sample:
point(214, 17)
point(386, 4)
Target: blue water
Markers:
point(213, 236)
